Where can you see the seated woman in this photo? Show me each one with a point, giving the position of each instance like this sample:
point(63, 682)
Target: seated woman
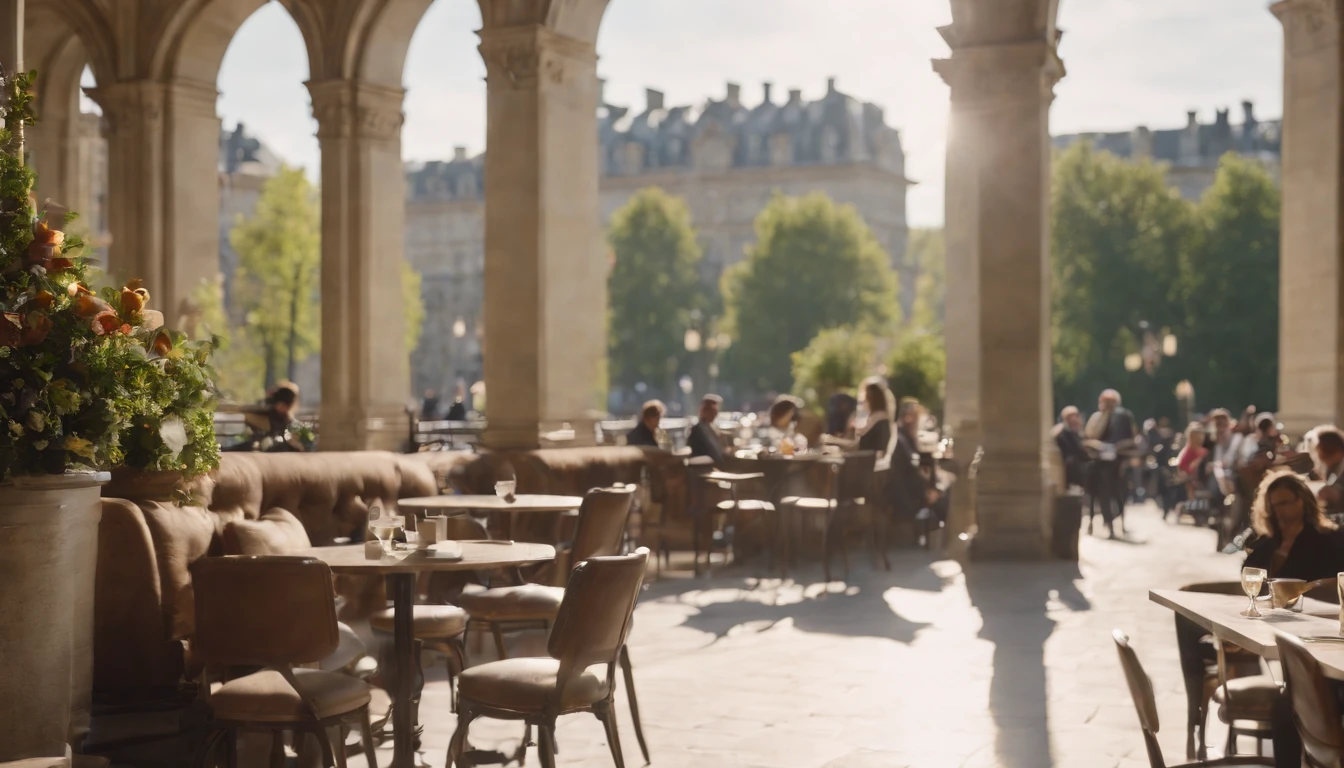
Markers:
point(1191, 462)
point(876, 433)
point(1297, 540)
point(788, 416)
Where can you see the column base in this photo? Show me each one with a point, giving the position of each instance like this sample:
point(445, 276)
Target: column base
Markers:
point(385, 429)
point(1012, 526)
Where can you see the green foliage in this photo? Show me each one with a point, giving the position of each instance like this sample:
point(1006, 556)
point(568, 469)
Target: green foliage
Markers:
point(928, 249)
point(1118, 238)
point(279, 269)
point(918, 368)
point(413, 305)
point(815, 265)
point(836, 360)
point(87, 380)
point(236, 359)
point(656, 292)
point(1231, 281)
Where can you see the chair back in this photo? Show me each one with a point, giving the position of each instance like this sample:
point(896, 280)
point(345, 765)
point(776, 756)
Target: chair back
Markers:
point(856, 476)
point(1216, 588)
point(602, 519)
point(263, 611)
point(594, 616)
point(1314, 707)
point(465, 528)
point(1141, 691)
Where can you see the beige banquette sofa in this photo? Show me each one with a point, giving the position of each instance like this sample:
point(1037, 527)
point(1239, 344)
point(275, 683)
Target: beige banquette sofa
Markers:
point(143, 599)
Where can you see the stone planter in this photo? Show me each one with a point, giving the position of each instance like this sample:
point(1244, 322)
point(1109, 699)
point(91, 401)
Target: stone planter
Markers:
point(141, 484)
point(48, 558)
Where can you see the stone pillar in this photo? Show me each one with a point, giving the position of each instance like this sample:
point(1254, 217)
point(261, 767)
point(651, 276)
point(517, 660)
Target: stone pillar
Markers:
point(11, 35)
point(365, 363)
point(545, 276)
point(1311, 270)
point(191, 197)
point(998, 330)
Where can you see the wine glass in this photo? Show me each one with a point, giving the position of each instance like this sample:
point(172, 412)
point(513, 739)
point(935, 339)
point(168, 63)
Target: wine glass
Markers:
point(384, 528)
point(1251, 581)
point(504, 489)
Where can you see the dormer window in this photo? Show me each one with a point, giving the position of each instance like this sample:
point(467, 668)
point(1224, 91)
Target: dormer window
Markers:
point(781, 149)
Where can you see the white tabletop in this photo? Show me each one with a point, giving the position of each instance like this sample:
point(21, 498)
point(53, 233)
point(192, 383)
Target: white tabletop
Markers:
point(476, 556)
point(491, 503)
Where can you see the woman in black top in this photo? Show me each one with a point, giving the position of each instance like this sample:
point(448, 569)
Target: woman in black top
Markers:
point(876, 434)
point(1297, 540)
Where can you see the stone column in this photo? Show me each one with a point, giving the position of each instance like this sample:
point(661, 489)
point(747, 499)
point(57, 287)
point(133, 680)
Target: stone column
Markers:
point(545, 276)
point(998, 329)
point(1311, 271)
point(365, 363)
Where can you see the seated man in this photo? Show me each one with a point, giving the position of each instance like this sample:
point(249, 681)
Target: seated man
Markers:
point(705, 439)
point(646, 431)
point(1330, 452)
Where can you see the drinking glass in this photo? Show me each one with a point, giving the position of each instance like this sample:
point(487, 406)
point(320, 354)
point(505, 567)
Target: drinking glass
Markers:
point(1251, 581)
point(385, 529)
point(504, 489)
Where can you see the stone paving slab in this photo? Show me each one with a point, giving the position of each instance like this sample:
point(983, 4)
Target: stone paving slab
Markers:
point(929, 665)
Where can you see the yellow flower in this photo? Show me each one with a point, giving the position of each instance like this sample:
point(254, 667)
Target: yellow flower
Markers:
point(79, 446)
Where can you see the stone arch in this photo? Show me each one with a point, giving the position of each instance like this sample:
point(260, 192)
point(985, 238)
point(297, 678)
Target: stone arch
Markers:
point(380, 35)
point(196, 36)
point(58, 55)
point(86, 20)
point(577, 19)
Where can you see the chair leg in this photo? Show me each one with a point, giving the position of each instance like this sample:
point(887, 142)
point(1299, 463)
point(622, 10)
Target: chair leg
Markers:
point(546, 744)
point(457, 648)
point(231, 749)
point(366, 737)
point(628, 670)
point(335, 736)
point(458, 745)
point(841, 519)
point(278, 749)
point(1231, 748)
point(209, 746)
point(826, 547)
point(498, 632)
point(608, 717)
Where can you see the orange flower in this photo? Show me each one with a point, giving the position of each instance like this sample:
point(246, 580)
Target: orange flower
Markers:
point(35, 328)
point(60, 264)
point(87, 305)
point(75, 289)
point(126, 328)
point(133, 299)
point(162, 343)
point(44, 300)
point(106, 322)
point(48, 236)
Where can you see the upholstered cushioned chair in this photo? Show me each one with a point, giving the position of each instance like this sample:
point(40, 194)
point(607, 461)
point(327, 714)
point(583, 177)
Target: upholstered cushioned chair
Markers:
point(578, 676)
point(274, 613)
point(1315, 708)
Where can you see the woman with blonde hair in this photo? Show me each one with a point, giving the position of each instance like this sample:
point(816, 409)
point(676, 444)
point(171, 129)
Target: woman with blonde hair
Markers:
point(1297, 540)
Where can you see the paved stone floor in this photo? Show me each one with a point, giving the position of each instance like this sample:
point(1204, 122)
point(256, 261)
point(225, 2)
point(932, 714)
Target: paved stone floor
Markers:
point(1001, 664)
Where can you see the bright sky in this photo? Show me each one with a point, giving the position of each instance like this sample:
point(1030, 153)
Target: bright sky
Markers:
point(1130, 62)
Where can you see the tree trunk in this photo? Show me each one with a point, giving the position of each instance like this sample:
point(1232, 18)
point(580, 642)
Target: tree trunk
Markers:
point(294, 318)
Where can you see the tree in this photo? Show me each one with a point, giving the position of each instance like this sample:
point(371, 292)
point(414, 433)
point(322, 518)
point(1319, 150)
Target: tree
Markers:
point(239, 367)
point(917, 368)
point(815, 265)
point(1231, 280)
point(656, 291)
point(929, 250)
point(279, 280)
point(278, 276)
point(836, 360)
point(1118, 237)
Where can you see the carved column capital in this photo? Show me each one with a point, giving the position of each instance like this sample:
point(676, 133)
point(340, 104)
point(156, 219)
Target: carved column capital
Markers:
point(129, 108)
point(190, 98)
point(993, 76)
point(1309, 25)
point(531, 57)
point(351, 109)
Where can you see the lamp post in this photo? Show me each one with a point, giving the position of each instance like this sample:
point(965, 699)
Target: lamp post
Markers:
point(1152, 349)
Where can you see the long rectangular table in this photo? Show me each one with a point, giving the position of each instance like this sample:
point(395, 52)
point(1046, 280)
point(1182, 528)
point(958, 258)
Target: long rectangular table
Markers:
point(1221, 616)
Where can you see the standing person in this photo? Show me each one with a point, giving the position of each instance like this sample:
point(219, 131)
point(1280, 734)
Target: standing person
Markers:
point(645, 432)
point(1068, 434)
point(1110, 434)
point(429, 406)
point(705, 439)
point(1160, 438)
point(458, 410)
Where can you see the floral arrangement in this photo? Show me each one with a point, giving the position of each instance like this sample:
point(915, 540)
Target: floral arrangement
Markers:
point(89, 377)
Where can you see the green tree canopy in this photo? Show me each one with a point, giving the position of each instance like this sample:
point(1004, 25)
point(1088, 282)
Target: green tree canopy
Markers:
point(928, 249)
point(815, 265)
point(278, 274)
point(1118, 237)
point(1231, 279)
point(917, 368)
point(656, 291)
point(836, 360)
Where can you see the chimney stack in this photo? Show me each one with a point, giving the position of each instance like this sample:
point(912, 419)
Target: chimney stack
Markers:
point(459, 154)
point(767, 88)
point(1191, 119)
point(653, 99)
point(734, 95)
point(1248, 112)
point(795, 95)
point(830, 85)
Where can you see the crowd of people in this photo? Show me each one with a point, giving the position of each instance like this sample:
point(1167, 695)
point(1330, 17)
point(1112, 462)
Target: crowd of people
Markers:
point(899, 434)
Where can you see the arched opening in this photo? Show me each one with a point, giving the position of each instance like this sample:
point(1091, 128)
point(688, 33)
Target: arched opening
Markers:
point(443, 142)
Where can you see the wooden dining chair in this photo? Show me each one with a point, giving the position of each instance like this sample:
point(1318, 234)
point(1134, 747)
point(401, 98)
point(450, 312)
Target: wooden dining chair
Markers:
point(850, 488)
point(1315, 709)
point(1145, 703)
point(578, 675)
point(273, 613)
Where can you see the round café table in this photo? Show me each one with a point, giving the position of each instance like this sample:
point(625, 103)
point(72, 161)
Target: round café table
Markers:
point(402, 572)
point(491, 504)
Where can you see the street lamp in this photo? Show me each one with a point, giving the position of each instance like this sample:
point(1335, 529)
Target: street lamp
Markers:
point(1133, 362)
point(459, 328)
point(692, 340)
